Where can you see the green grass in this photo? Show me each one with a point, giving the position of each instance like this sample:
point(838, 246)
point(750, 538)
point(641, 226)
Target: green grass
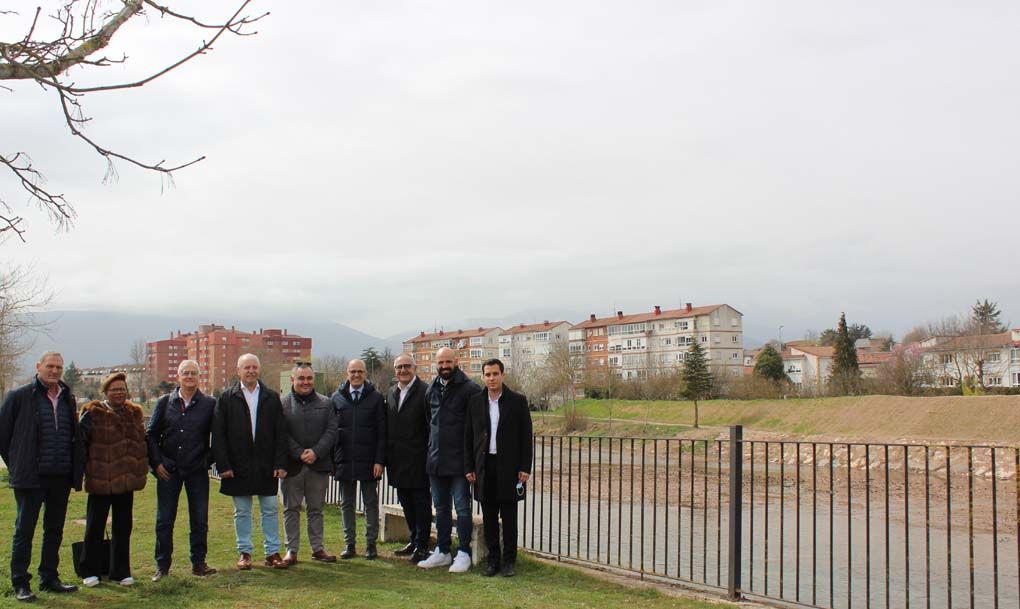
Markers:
point(388, 582)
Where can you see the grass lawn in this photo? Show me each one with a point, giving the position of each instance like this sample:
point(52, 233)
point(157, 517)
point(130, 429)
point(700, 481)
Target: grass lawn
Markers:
point(388, 582)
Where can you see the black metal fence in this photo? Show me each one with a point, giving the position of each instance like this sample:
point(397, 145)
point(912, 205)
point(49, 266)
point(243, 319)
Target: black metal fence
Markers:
point(828, 525)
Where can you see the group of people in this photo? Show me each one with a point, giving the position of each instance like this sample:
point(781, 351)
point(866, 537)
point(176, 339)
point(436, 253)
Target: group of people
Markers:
point(439, 442)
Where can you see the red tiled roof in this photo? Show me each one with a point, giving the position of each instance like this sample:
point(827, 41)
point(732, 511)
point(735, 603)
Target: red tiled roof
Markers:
point(642, 317)
point(444, 335)
point(873, 357)
point(980, 341)
point(816, 351)
point(523, 329)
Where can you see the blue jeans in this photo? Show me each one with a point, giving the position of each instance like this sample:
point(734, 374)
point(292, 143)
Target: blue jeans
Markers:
point(443, 488)
point(270, 524)
point(168, 492)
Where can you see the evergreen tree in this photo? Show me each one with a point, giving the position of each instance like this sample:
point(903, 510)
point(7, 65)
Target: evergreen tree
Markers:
point(72, 376)
point(770, 365)
point(696, 376)
point(985, 317)
point(845, 376)
point(372, 359)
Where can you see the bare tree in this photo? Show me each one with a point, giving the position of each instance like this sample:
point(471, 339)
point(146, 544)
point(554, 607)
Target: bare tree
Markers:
point(74, 36)
point(333, 369)
point(23, 294)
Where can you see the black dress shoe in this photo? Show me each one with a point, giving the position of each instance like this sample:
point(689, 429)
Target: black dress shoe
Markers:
point(418, 556)
point(371, 553)
point(348, 553)
point(23, 593)
point(491, 569)
point(406, 550)
point(55, 585)
point(509, 570)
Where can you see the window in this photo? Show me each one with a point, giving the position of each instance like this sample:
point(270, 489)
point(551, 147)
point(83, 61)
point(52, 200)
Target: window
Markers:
point(506, 353)
point(1014, 355)
point(735, 339)
point(994, 381)
point(504, 340)
point(1016, 378)
point(947, 358)
point(476, 353)
point(541, 336)
point(681, 356)
point(733, 355)
point(476, 367)
point(704, 339)
point(600, 347)
point(614, 360)
point(681, 325)
point(715, 339)
point(715, 320)
point(575, 348)
point(994, 356)
point(476, 340)
point(667, 341)
point(626, 329)
point(734, 322)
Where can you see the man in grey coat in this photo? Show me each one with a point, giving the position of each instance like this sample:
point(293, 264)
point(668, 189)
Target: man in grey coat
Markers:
point(311, 434)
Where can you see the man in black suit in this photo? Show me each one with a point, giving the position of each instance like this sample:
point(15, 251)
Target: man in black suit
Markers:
point(406, 451)
point(497, 459)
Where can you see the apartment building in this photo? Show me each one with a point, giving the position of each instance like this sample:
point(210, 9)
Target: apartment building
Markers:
point(216, 349)
point(633, 346)
point(472, 347)
point(990, 360)
point(527, 346)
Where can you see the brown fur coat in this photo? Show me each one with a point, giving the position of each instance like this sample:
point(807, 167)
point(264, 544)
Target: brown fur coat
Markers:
point(117, 458)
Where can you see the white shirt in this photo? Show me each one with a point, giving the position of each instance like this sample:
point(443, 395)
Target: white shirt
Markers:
point(493, 422)
point(252, 397)
point(359, 390)
point(404, 391)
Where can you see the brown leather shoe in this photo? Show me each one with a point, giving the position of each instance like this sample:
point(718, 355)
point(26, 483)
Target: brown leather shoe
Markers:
point(244, 562)
point(274, 561)
point(202, 569)
point(290, 558)
point(323, 556)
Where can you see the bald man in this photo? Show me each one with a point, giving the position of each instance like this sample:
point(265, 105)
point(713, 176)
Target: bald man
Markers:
point(250, 447)
point(360, 453)
point(446, 402)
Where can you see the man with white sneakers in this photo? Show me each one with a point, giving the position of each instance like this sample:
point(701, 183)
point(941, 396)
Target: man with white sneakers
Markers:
point(446, 401)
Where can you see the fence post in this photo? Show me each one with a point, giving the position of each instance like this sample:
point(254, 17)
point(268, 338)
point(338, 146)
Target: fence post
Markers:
point(736, 509)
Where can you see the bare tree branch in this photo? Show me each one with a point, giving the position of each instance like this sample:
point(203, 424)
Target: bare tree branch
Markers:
point(47, 61)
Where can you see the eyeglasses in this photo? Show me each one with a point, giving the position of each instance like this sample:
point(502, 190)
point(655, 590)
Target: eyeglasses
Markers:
point(355, 372)
point(403, 366)
point(188, 373)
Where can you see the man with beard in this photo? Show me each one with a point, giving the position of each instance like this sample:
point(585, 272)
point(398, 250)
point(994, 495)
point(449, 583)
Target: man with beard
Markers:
point(311, 434)
point(446, 400)
point(407, 443)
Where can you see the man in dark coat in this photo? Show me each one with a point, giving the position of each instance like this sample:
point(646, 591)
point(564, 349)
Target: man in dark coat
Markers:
point(311, 436)
point(497, 457)
point(407, 443)
point(250, 447)
point(360, 453)
point(40, 443)
point(446, 400)
point(178, 438)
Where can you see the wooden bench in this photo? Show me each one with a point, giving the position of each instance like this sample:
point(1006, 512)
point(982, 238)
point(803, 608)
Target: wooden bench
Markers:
point(393, 528)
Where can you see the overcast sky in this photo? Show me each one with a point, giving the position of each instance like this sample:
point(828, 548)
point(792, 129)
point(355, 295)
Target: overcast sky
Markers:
point(387, 164)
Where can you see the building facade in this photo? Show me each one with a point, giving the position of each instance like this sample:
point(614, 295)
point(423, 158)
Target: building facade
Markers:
point(472, 347)
point(527, 346)
point(988, 360)
point(637, 345)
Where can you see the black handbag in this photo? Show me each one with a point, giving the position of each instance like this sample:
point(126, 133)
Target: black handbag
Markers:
point(78, 548)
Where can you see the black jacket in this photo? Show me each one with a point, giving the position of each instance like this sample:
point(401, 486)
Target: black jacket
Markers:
point(513, 442)
point(252, 462)
point(361, 437)
point(180, 441)
point(311, 423)
point(446, 417)
point(19, 435)
point(407, 437)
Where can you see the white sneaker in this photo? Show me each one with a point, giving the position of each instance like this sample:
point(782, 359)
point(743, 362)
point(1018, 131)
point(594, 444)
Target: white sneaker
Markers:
point(461, 563)
point(91, 582)
point(127, 581)
point(436, 559)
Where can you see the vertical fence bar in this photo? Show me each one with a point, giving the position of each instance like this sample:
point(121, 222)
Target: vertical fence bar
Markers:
point(690, 542)
point(814, 523)
point(765, 526)
point(541, 503)
point(832, 501)
point(796, 560)
point(949, 530)
point(641, 562)
point(886, 523)
point(598, 511)
point(679, 502)
point(534, 440)
point(655, 501)
point(906, 526)
point(718, 513)
point(665, 535)
point(580, 471)
point(782, 511)
point(1016, 479)
point(750, 514)
point(995, 532)
point(849, 531)
point(570, 488)
point(619, 511)
point(630, 512)
point(587, 524)
point(736, 504)
point(704, 518)
point(927, 529)
point(970, 519)
point(867, 526)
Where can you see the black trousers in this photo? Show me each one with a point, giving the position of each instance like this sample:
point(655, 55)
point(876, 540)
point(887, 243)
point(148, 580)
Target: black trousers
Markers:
point(96, 510)
point(53, 494)
point(417, 504)
point(492, 511)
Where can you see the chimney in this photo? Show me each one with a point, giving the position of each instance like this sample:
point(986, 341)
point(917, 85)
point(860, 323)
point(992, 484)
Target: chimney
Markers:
point(658, 310)
point(480, 328)
point(285, 331)
point(690, 307)
point(546, 322)
point(232, 329)
point(619, 315)
point(522, 324)
point(422, 333)
point(592, 318)
point(440, 332)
